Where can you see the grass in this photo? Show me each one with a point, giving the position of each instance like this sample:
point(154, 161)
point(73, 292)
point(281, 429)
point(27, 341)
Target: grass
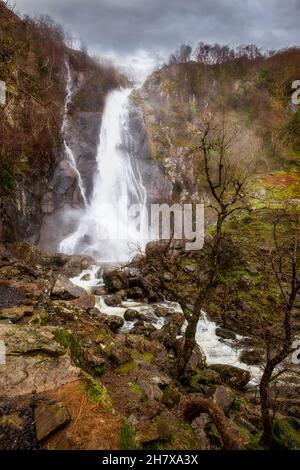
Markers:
point(127, 437)
point(124, 369)
point(137, 390)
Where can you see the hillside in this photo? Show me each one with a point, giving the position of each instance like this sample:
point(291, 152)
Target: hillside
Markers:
point(33, 65)
point(254, 95)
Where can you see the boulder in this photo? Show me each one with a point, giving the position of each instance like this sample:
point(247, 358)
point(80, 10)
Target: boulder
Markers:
point(143, 328)
point(252, 357)
point(49, 418)
point(112, 300)
point(132, 314)
point(167, 335)
point(136, 293)
point(35, 361)
point(231, 375)
point(115, 280)
point(224, 333)
point(114, 322)
point(75, 264)
point(101, 290)
point(65, 289)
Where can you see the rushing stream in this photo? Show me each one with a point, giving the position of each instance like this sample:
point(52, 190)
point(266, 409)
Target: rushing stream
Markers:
point(217, 350)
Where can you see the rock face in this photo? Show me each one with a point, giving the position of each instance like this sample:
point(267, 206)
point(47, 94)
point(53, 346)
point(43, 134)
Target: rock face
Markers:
point(65, 289)
point(35, 361)
point(49, 417)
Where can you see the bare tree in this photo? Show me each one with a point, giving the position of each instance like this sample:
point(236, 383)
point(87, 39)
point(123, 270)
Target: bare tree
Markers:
point(282, 265)
point(226, 179)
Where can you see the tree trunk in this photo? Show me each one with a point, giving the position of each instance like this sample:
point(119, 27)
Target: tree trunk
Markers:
point(189, 341)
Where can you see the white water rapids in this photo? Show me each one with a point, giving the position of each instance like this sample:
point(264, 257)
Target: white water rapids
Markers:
point(217, 350)
point(107, 231)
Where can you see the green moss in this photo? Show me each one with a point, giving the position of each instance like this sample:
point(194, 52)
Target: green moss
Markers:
point(136, 388)
point(287, 433)
point(124, 369)
point(66, 339)
point(236, 405)
point(127, 437)
point(99, 370)
point(94, 390)
point(200, 377)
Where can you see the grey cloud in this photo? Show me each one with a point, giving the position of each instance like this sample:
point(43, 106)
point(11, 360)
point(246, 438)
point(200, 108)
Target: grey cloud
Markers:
point(125, 26)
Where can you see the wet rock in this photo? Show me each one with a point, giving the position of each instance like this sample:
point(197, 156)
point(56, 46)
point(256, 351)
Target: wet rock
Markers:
point(86, 277)
point(75, 264)
point(169, 332)
point(49, 418)
point(112, 300)
point(114, 322)
point(143, 328)
point(132, 314)
point(231, 375)
point(136, 293)
point(115, 280)
point(122, 293)
point(252, 356)
point(223, 397)
point(99, 291)
point(65, 289)
point(162, 311)
point(224, 333)
point(86, 302)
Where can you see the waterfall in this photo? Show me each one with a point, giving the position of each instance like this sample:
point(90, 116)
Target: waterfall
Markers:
point(108, 230)
point(67, 150)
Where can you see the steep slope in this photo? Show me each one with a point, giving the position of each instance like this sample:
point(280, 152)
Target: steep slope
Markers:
point(253, 94)
point(33, 55)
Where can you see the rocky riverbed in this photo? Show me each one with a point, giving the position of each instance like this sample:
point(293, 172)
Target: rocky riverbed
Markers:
point(91, 360)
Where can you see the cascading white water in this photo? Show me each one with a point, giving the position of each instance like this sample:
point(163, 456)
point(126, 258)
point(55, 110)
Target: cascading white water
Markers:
point(67, 150)
point(107, 231)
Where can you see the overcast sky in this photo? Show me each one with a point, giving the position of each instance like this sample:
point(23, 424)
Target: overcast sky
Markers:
point(140, 29)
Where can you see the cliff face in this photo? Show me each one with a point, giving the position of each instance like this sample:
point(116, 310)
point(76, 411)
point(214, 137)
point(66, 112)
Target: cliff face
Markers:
point(35, 180)
point(255, 97)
